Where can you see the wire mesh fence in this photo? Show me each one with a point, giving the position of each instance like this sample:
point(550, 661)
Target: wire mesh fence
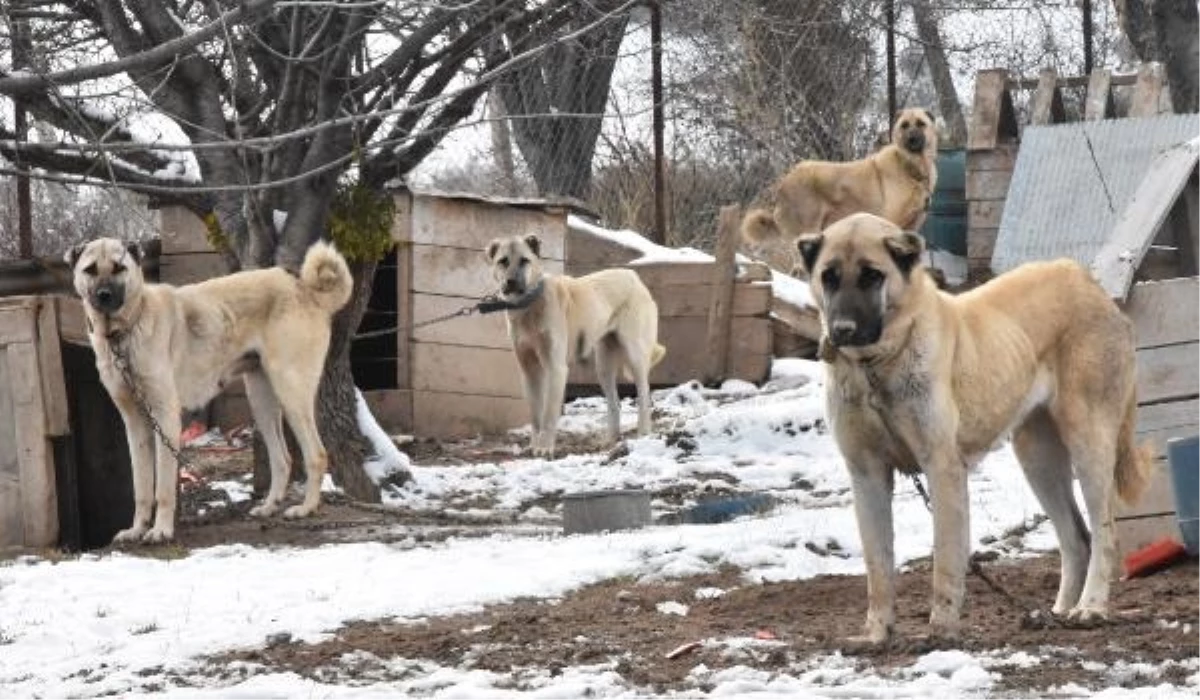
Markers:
point(748, 89)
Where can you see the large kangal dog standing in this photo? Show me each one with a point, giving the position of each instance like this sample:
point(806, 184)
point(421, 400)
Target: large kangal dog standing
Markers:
point(607, 316)
point(919, 380)
point(896, 183)
point(183, 343)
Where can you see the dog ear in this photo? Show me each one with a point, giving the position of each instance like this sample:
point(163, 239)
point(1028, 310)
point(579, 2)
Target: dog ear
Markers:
point(72, 255)
point(929, 116)
point(492, 249)
point(905, 248)
point(809, 246)
point(135, 251)
point(534, 243)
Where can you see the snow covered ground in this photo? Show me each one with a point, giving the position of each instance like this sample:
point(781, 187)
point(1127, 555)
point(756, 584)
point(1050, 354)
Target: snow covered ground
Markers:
point(122, 624)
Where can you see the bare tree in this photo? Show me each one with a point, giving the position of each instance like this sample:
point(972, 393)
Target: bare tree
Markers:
point(939, 69)
point(276, 102)
point(1167, 31)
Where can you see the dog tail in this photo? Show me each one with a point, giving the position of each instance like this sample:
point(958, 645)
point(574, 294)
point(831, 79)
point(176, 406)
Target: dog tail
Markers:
point(657, 354)
point(1133, 461)
point(326, 275)
point(759, 226)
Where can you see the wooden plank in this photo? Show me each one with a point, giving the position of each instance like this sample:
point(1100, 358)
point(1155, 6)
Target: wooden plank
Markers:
point(466, 370)
point(749, 299)
point(1002, 157)
point(17, 321)
point(1147, 91)
point(1163, 416)
point(992, 110)
point(189, 268)
point(805, 321)
point(405, 308)
point(662, 274)
point(585, 250)
point(489, 331)
point(1099, 102)
point(462, 272)
point(50, 368)
point(182, 231)
point(72, 323)
point(988, 184)
point(675, 369)
point(448, 415)
point(1168, 373)
point(1164, 312)
point(981, 242)
point(985, 213)
point(402, 217)
point(38, 497)
point(392, 409)
point(1131, 236)
point(1047, 104)
point(12, 530)
point(1135, 533)
point(720, 306)
point(463, 223)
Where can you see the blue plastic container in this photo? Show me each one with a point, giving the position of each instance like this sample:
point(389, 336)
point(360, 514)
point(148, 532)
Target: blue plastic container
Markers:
point(1183, 455)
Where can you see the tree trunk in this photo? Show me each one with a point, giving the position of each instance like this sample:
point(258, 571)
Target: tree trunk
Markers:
point(1166, 31)
point(502, 143)
point(336, 405)
point(939, 69)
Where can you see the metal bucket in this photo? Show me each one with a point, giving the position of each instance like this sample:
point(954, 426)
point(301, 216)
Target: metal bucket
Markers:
point(1183, 455)
point(600, 511)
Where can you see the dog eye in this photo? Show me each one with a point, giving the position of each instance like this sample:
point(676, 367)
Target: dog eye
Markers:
point(118, 268)
point(903, 125)
point(503, 262)
point(869, 277)
point(523, 262)
point(90, 269)
point(830, 278)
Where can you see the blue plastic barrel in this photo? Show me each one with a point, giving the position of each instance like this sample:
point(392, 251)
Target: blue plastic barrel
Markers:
point(1183, 455)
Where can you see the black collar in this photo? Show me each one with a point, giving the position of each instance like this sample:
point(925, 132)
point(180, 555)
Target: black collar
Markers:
point(491, 305)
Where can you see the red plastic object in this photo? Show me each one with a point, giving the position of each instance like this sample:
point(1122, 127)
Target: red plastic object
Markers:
point(1155, 556)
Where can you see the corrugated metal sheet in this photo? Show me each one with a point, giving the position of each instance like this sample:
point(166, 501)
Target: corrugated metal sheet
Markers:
point(1072, 181)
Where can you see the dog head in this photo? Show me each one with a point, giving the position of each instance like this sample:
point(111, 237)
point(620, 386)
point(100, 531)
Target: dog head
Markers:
point(516, 264)
point(107, 273)
point(860, 270)
point(915, 131)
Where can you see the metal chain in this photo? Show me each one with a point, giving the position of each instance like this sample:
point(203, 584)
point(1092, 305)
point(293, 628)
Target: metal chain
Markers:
point(121, 359)
point(464, 311)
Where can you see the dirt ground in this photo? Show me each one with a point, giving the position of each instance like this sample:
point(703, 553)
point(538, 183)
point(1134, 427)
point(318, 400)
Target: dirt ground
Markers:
point(1155, 619)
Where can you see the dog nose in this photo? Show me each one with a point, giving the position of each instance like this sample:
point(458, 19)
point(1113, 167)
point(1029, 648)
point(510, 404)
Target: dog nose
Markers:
point(104, 295)
point(841, 332)
point(511, 286)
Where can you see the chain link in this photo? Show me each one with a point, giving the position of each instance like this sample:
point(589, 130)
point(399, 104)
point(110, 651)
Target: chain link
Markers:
point(121, 359)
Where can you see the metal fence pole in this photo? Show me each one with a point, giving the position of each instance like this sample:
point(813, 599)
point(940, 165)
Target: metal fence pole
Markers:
point(656, 79)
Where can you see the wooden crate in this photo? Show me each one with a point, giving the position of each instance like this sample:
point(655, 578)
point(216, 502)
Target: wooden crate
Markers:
point(33, 411)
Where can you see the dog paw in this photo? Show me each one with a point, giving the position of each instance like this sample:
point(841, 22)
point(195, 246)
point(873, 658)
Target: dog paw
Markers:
point(158, 535)
point(297, 511)
point(945, 622)
point(130, 534)
point(264, 510)
point(1087, 615)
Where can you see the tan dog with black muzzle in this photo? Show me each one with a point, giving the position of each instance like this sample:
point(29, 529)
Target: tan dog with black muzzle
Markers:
point(608, 317)
point(923, 381)
point(182, 344)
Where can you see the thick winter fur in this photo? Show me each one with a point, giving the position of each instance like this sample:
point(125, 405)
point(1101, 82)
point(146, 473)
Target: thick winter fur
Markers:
point(919, 380)
point(607, 317)
point(184, 343)
point(896, 183)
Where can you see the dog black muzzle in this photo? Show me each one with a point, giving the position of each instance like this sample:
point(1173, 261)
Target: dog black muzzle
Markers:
point(512, 285)
point(107, 298)
point(914, 141)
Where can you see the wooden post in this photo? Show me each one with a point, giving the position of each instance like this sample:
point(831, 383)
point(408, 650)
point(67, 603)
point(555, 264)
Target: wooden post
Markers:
point(992, 116)
point(1146, 90)
point(720, 309)
point(1047, 100)
point(1099, 104)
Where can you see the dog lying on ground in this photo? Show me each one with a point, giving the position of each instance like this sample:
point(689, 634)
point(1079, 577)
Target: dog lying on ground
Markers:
point(895, 183)
point(922, 381)
point(608, 317)
point(181, 345)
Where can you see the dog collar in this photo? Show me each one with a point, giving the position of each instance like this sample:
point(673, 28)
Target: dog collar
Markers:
point(491, 305)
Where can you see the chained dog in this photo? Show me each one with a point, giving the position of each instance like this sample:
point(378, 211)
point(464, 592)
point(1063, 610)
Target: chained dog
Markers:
point(608, 317)
point(160, 349)
point(923, 381)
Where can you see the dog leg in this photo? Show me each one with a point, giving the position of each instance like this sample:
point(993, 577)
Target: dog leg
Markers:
point(141, 457)
point(554, 388)
point(268, 417)
point(872, 485)
point(608, 362)
point(166, 473)
point(951, 534)
point(1095, 457)
point(1047, 466)
point(534, 383)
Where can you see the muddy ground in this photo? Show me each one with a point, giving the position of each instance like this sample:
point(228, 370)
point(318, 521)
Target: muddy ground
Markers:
point(1154, 619)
